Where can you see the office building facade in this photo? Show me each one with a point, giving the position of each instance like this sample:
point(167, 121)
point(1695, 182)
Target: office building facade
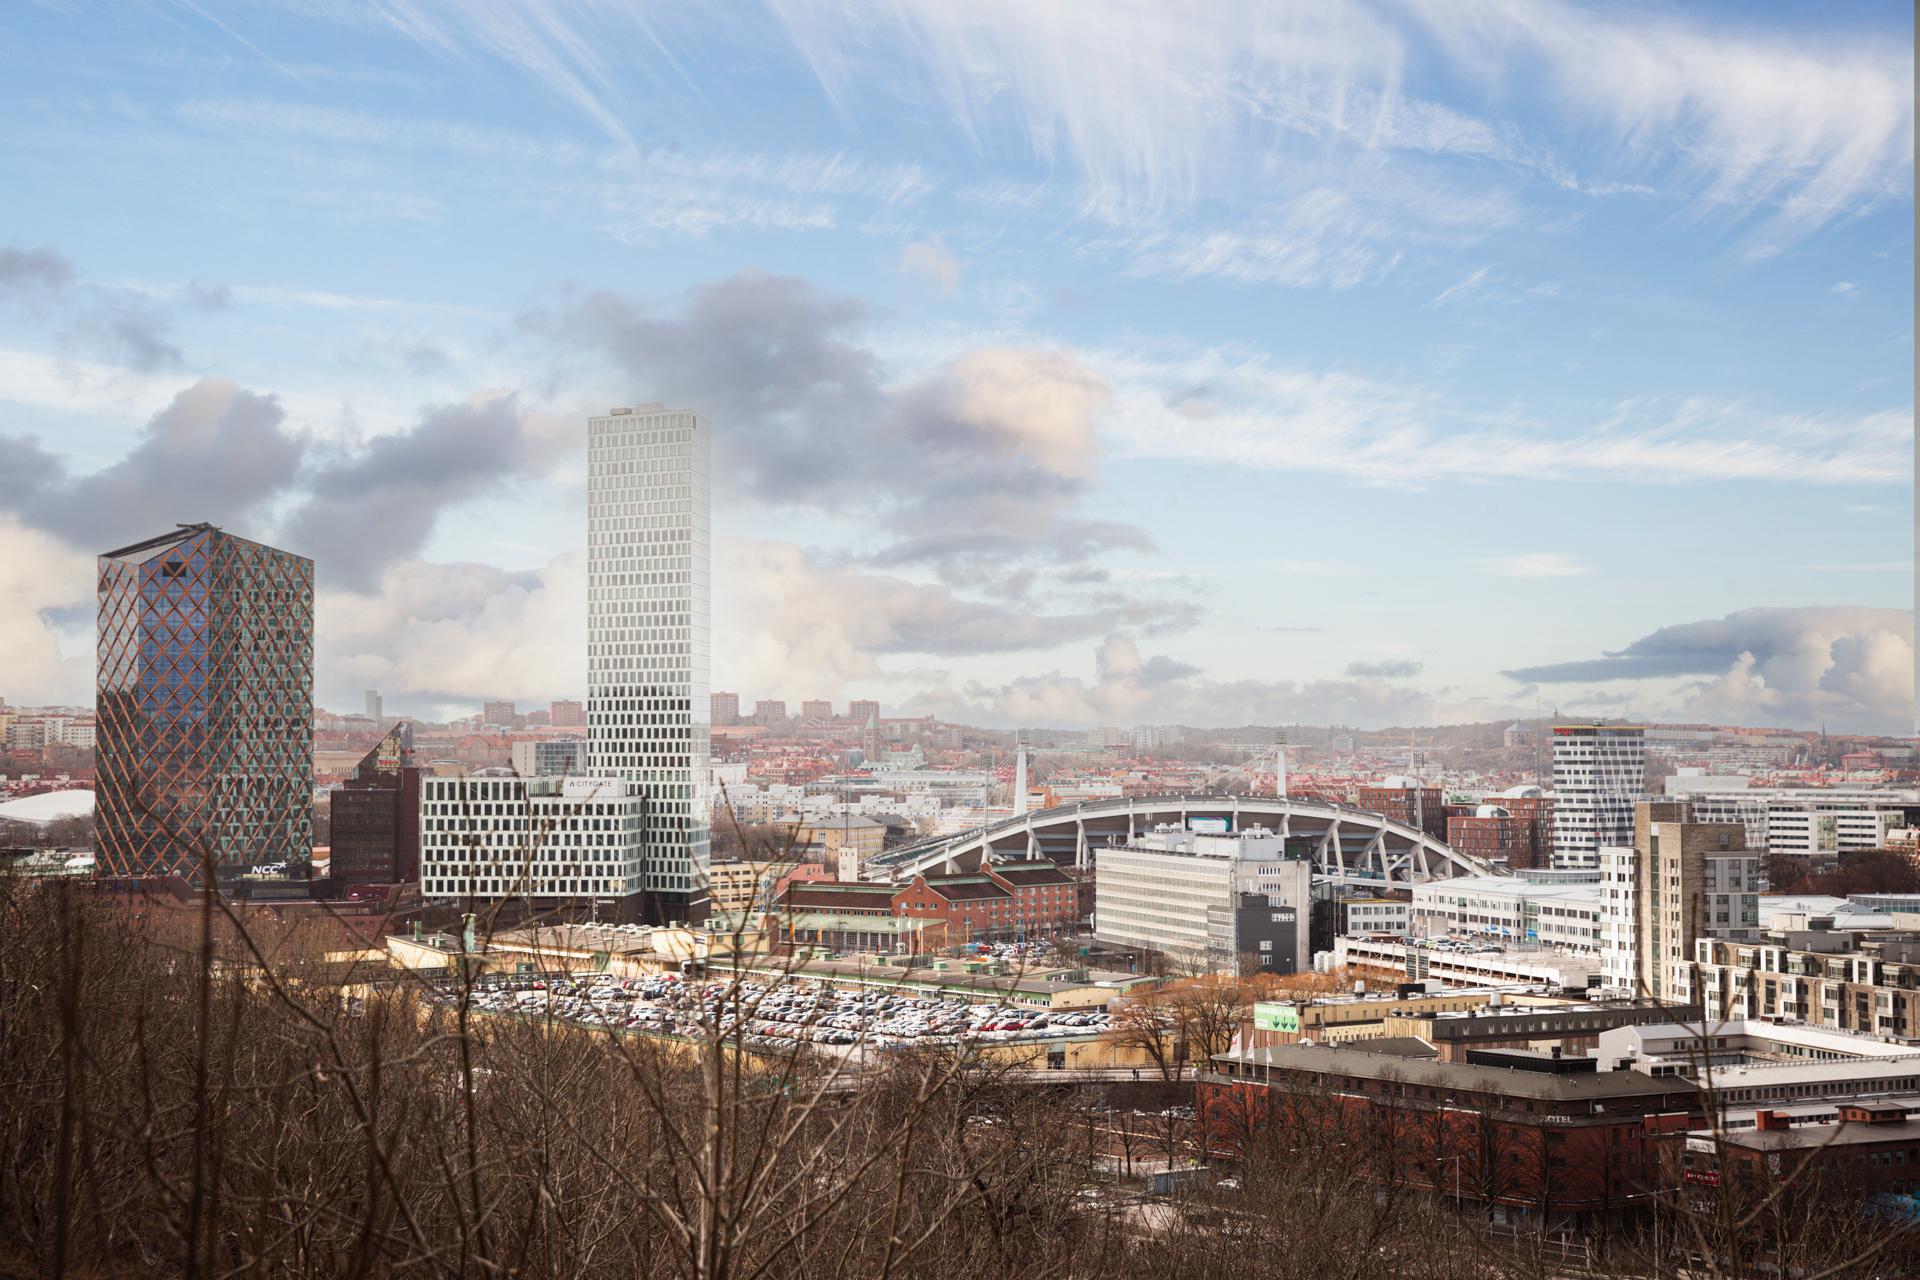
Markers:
point(543, 844)
point(567, 714)
point(863, 710)
point(1679, 881)
point(724, 708)
point(649, 607)
point(204, 692)
point(1599, 773)
point(375, 824)
point(1219, 903)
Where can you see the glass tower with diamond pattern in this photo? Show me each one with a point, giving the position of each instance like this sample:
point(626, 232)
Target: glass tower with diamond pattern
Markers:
point(204, 702)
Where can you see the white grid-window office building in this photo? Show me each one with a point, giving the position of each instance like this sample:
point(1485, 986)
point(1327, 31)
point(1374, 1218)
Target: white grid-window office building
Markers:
point(649, 596)
point(1599, 772)
point(542, 839)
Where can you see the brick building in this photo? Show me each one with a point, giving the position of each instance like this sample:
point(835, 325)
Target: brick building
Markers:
point(972, 906)
point(1045, 898)
point(1522, 1133)
point(375, 816)
point(1406, 801)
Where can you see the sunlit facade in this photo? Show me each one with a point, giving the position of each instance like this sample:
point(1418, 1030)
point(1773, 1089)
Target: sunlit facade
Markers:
point(205, 706)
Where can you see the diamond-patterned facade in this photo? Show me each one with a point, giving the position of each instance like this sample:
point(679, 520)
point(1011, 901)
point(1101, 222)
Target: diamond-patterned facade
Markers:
point(204, 706)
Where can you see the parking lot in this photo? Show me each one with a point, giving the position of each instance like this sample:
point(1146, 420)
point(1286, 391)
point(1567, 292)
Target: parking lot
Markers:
point(778, 1016)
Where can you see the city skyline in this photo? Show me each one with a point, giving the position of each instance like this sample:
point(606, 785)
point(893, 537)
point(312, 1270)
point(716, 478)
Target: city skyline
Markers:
point(1362, 370)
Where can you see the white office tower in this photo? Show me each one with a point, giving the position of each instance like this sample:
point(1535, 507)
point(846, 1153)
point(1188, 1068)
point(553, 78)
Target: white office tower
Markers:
point(648, 618)
point(1599, 772)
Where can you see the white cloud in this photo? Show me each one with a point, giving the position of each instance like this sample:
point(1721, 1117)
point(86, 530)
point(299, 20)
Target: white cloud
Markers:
point(438, 633)
point(1160, 110)
point(1534, 564)
point(1805, 130)
point(1127, 687)
point(1844, 288)
point(1848, 667)
point(933, 262)
point(635, 194)
point(1460, 288)
point(83, 386)
point(39, 575)
point(1239, 409)
point(785, 620)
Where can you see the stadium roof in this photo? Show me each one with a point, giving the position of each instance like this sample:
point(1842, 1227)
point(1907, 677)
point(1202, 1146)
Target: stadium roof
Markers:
point(49, 806)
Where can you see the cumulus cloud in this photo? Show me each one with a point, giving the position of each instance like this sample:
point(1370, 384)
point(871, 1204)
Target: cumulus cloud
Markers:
point(783, 619)
point(380, 502)
point(451, 633)
point(978, 465)
point(1849, 667)
point(217, 452)
point(1391, 669)
point(41, 577)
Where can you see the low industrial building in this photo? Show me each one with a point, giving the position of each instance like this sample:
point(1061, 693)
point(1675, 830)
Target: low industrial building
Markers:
point(1393, 960)
point(1550, 908)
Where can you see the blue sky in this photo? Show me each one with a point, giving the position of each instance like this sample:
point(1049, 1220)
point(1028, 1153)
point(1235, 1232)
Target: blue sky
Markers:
point(1358, 362)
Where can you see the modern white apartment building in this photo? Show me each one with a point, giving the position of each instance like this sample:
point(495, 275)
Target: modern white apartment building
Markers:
point(1221, 902)
point(1375, 917)
point(1599, 771)
point(1678, 881)
point(1557, 913)
point(546, 841)
point(649, 605)
point(1797, 820)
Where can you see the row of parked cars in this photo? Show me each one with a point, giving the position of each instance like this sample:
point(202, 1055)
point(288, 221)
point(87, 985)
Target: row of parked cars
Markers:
point(775, 1016)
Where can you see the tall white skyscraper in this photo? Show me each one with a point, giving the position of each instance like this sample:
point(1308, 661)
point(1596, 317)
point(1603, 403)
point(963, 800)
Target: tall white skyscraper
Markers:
point(648, 619)
point(1599, 772)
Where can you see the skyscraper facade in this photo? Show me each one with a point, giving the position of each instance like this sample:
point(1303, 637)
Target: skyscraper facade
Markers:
point(648, 620)
point(204, 692)
point(1599, 772)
